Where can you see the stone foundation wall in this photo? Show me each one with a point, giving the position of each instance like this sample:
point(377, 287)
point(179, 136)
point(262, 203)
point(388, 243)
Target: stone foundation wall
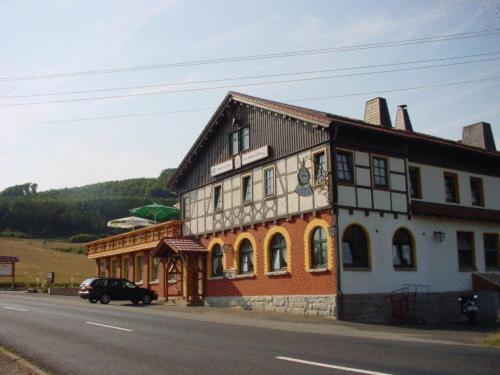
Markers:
point(319, 305)
point(438, 307)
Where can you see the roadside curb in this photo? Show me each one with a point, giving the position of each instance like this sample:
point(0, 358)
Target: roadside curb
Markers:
point(22, 362)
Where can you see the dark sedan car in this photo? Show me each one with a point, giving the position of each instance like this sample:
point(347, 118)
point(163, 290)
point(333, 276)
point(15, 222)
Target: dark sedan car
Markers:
point(113, 289)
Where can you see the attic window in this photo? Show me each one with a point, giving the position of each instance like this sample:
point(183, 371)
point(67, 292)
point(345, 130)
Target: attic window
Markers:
point(233, 143)
point(239, 140)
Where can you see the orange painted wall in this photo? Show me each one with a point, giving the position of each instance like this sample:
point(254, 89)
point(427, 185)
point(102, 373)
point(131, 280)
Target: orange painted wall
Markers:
point(297, 282)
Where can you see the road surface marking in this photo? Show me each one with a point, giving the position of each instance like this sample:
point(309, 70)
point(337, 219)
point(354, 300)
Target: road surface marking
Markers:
point(350, 369)
point(105, 325)
point(13, 308)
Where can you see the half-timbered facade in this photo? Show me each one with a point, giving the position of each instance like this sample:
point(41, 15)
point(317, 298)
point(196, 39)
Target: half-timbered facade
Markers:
point(308, 212)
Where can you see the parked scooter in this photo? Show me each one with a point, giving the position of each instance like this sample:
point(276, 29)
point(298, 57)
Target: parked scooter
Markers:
point(470, 308)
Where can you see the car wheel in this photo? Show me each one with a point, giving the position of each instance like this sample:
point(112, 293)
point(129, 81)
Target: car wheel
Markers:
point(135, 301)
point(146, 299)
point(92, 300)
point(105, 298)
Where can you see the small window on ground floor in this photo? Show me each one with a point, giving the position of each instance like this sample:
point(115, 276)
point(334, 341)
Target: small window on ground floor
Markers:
point(138, 268)
point(246, 257)
point(402, 249)
point(319, 248)
point(125, 267)
point(217, 258)
point(491, 250)
point(155, 266)
point(465, 244)
point(355, 247)
point(278, 253)
point(114, 267)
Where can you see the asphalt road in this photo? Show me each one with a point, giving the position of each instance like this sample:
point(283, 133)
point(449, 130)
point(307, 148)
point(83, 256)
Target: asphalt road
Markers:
point(69, 336)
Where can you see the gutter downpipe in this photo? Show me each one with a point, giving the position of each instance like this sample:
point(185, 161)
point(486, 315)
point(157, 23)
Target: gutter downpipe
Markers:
point(335, 212)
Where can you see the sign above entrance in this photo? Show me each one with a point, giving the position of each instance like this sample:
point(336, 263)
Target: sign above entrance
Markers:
point(258, 154)
point(218, 169)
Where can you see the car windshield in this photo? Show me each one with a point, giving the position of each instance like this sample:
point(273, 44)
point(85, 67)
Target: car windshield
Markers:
point(128, 284)
point(87, 282)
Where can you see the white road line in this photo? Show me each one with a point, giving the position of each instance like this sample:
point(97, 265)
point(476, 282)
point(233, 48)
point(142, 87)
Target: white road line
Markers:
point(105, 325)
point(350, 369)
point(13, 308)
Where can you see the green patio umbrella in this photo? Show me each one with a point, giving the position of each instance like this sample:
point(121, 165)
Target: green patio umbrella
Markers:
point(156, 211)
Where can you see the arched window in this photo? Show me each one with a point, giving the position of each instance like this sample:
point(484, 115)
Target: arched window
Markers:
point(278, 253)
point(318, 248)
point(217, 255)
point(402, 249)
point(246, 257)
point(355, 248)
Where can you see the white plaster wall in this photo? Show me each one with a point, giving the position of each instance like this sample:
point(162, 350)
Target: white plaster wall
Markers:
point(364, 198)
point(399, 202)
point(361, 158)
point(381, 200)
point(347, 195)
point(432, 182)
point(398, 182)
point(363, 176)
point(437, 262)
point(397, 165)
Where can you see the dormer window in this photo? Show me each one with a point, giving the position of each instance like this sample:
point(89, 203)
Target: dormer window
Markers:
point(239, 140)
point(234, 143)
point(245, 138)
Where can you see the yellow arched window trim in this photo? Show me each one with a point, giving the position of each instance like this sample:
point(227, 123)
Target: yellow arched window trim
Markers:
point(211, 245)
point(267, 247)
point(237, 245)
point(308, 232)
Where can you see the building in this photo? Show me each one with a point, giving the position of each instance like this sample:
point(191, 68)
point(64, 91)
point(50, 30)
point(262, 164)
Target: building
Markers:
point(294, 210)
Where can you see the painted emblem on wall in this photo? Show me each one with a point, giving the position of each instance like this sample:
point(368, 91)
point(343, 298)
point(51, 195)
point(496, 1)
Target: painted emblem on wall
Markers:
point(304, 181)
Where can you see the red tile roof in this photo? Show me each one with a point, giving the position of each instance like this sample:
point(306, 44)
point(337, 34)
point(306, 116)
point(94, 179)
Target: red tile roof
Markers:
point(184, 244)
point(177, 245)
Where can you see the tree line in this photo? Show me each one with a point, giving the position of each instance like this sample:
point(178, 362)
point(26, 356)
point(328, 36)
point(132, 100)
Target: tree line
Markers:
point(86, 209)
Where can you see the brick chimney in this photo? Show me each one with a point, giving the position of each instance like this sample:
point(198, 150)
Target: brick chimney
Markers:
point(479, 135)
point(403, 119)
point(377, 113)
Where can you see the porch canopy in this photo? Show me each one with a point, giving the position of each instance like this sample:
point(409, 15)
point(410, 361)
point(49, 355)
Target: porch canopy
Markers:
point(177, 246)
point(185, 257)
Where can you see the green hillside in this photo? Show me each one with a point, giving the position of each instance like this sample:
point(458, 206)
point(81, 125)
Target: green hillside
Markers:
point(85, 209)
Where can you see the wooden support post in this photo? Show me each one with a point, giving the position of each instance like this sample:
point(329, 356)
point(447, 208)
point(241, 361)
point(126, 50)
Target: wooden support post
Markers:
point(165, 281)
point(13, 275)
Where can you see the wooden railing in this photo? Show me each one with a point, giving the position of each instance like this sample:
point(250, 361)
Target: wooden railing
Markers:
point(134, 240)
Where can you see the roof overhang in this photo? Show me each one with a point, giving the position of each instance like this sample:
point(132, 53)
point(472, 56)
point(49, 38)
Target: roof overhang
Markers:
point(457, 212)
point(177, 246)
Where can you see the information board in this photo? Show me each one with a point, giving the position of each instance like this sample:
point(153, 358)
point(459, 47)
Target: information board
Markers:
point(6, 269)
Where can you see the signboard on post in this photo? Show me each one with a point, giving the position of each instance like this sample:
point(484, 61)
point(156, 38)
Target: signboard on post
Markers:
point(6, 269)
point(50, 277)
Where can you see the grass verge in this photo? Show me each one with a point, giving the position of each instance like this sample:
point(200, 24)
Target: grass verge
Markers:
point(493, 339)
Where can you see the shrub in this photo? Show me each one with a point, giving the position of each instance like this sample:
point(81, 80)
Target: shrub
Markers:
point(80, 238)
point(74, 250)
point(13, 234)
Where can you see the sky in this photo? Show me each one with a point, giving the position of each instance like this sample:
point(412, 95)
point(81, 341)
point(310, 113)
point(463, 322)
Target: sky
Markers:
point(58, 138)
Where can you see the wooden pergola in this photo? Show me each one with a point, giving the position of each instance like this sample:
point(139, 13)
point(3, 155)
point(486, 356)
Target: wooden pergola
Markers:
point(187, 259)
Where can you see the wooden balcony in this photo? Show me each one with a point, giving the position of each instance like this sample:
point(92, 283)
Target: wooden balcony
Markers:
point(140, 239)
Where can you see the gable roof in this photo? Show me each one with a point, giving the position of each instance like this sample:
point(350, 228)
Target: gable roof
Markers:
point(319, 118)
